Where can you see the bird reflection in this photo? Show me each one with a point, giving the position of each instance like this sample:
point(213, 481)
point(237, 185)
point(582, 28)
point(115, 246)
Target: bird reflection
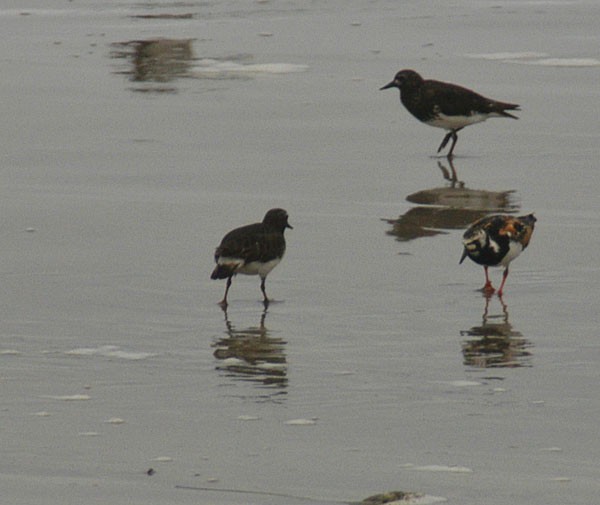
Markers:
point(450, 174)
point(450, 207)
point(494, 343)
point(252, 355)
point(155, 60)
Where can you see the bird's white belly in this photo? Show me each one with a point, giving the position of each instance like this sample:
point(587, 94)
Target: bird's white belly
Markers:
point(456, 122)
point(514, 249)
point(258, 268)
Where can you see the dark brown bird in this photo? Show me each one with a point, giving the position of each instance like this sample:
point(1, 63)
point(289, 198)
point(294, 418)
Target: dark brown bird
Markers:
point(254, 249)
point(445, 105)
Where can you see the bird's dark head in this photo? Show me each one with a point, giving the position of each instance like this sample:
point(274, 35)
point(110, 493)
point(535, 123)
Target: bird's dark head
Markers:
point(405, 79)
point(527, 230)
point(277, 218)
point(530, 220)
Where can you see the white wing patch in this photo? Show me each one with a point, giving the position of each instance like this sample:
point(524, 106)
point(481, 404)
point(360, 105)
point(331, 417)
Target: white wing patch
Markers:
point(494, 245)
point(232, 263)
point(477, 241)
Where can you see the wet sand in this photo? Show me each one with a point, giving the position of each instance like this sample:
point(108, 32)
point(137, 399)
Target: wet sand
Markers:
point(379, 366)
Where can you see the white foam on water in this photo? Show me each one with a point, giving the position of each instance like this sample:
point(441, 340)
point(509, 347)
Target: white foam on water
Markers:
point(9, 352)
point(109, 351)
point(563, 62)
point(68, 398)
point(301, 422)
point(507, 55)
point(248, 418)
point(442, 468)
point(163, 459)
point(535, 58)
point(211, 68)
point(115, 420)
point(460, 383)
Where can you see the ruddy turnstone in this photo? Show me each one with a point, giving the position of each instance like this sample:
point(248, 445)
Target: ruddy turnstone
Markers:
point(496, 241)
point(254, 249)
point(446, 105)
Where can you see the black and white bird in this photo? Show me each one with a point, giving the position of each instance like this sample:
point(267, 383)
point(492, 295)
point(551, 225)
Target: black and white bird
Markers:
point(496, 241)
point(254, 249)
point(445, 105)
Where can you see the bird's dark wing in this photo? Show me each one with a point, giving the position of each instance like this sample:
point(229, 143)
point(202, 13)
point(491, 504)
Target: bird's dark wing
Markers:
point(454, 100)
point(240, 243)
point(250, 243)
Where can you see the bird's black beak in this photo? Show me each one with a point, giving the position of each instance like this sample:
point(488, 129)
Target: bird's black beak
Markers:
point(389, 85)
point(288, 225)
point(464, 255)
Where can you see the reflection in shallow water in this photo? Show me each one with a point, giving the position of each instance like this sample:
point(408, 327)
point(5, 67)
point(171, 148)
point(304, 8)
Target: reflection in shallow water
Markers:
point(495, 343)
point(430, 221)
point(448, 208)
point(162, 60)
point(251, 354)
point(155, 60)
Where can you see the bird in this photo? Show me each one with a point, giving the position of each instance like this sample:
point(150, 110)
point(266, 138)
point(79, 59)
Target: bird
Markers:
point(496, 241)
point(254, 249)
point(445, 105)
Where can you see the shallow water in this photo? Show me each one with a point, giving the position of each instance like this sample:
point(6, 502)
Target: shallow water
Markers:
point(379, 366)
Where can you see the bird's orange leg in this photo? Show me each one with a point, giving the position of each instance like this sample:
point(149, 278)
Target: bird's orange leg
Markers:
point(487, 288)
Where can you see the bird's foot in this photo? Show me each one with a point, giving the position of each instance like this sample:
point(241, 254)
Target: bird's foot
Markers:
point(488, 289)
